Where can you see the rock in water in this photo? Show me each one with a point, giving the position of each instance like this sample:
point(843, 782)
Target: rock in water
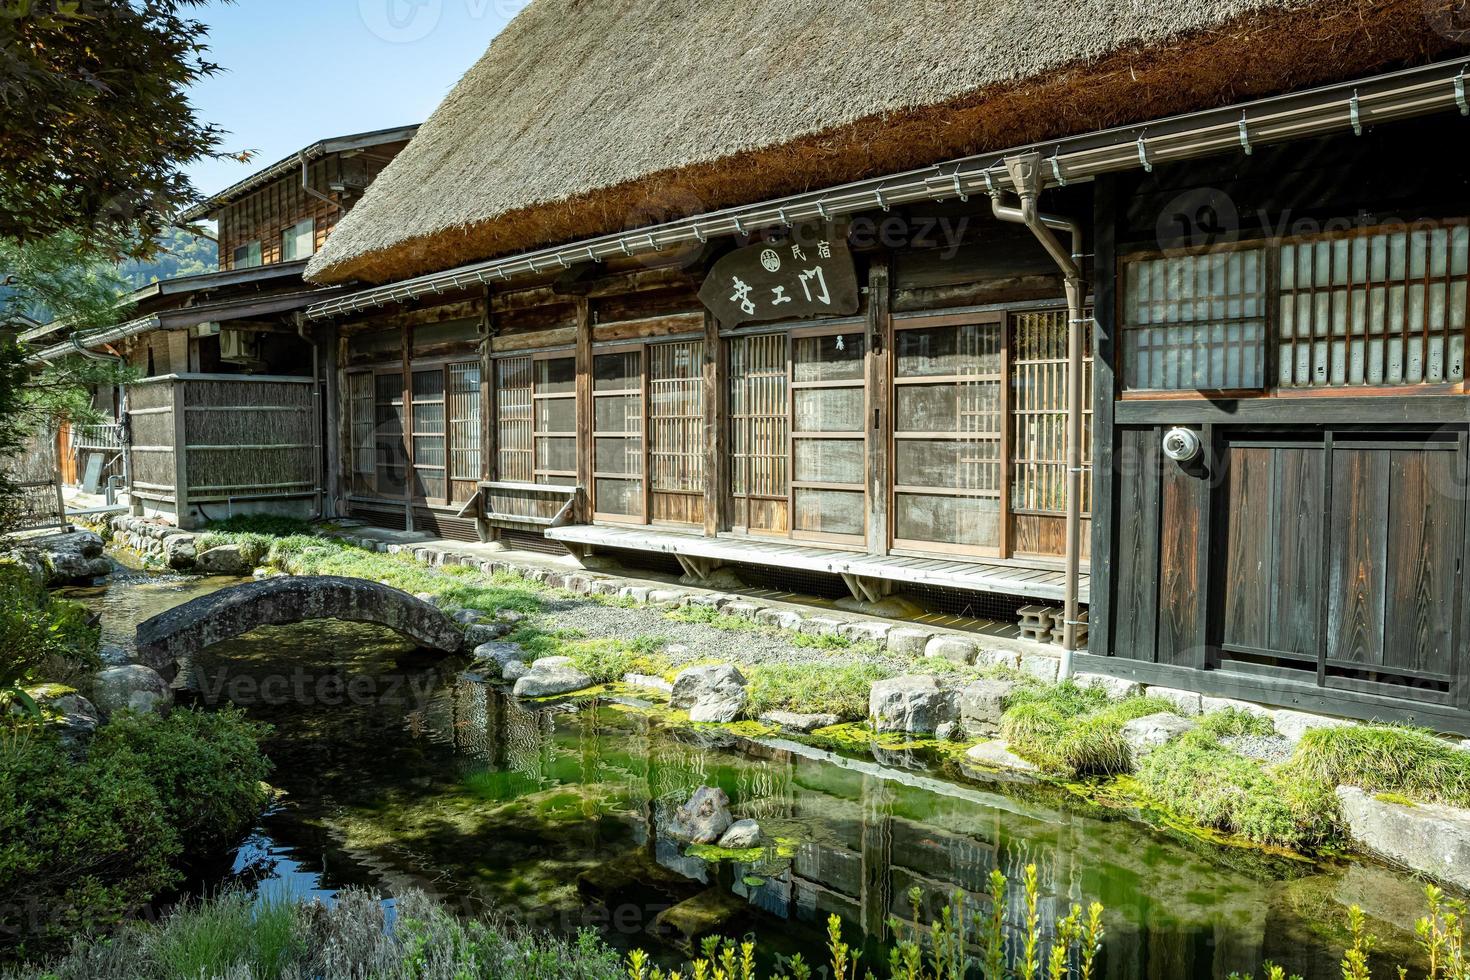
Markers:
point(704, 819)
point(549, 676)
point(227, 559)
point(982, 703)
point(712, 693)
point(741, 834)
point(133, 687)
point(917, 704)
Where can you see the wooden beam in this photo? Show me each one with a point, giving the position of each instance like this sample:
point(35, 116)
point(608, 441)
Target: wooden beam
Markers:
point(1106, 209)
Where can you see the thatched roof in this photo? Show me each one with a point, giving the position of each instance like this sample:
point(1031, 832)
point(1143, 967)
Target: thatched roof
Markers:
point(588, 116)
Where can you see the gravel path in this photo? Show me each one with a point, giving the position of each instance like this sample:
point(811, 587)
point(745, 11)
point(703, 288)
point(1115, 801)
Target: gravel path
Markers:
point(701, 642)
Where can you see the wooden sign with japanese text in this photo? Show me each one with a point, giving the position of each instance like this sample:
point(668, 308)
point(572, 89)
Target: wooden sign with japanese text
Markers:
point(811, 274)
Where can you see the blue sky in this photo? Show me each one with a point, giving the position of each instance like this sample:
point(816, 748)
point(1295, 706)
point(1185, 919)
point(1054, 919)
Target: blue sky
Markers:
point(300, 70)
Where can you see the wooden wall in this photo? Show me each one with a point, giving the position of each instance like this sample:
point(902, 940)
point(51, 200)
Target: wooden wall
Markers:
point(1315, 556)
point(265, 213)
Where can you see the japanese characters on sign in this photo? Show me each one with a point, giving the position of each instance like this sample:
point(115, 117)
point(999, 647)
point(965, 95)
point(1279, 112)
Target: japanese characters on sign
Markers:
point(809, 274)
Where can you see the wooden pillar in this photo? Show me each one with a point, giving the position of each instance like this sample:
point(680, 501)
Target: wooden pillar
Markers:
point(489, 431)
point(715, 455)
point(879, 372)
point(332, 419)
point(584, 407)
point(407, 428)
point(179, 402)
point(1106, 208)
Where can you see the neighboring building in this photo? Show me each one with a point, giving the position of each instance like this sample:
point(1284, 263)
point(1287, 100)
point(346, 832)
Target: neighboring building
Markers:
point(227, 369)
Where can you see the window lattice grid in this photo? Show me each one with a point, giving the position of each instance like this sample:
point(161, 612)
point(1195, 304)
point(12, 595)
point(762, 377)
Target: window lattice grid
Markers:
point(360, 402)
point(554, 419)
point(759, 425)
point(388, 427)
point(464, 421)
point(428, 433)
point(618, 432)
point(1195, 321)
point(676, 416)
point(1039, 413)
point(514, 453)
point(1382, 307)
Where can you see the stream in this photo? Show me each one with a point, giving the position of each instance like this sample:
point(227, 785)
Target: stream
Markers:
point(396, 771)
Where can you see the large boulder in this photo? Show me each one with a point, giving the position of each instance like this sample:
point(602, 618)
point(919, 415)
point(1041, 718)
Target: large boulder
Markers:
point(1150, 732)
point(982, 703)
point(498, 654)
point(551, 676)
point(704, 819)
point(710, 693)
point(133, 687)
point(226, 559)
point(908, 641)
point(72, 557)
point(916, 703)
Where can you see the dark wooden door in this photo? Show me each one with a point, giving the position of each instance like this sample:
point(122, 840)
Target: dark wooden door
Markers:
point(1340, 554)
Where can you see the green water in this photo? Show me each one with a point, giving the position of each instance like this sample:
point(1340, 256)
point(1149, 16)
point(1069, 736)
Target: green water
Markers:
point(395, 771)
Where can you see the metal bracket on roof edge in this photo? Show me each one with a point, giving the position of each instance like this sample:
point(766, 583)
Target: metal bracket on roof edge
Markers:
point(1143, 154)
point(1056, 170)
point(1460, 93)
point(1353, 115)
point(1245, 136)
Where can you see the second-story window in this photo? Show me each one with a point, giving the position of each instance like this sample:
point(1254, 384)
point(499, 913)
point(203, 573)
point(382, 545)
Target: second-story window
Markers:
point(247, 256)
point(298, 241)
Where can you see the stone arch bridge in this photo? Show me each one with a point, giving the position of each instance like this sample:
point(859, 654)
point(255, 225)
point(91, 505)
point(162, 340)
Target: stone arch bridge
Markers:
point(187, 629)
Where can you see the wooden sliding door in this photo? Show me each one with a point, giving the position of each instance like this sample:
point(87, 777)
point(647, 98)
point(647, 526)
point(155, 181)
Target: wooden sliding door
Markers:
point(676, 432)
point(948, 435)
point(617, 432)
point(828, 435)
point(760, 434)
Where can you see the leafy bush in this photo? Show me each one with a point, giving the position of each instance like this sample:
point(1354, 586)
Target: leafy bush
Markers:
point(1410, 762)
point(826, 686)
point(205, 765)
point(85, 843)
point(40, 634)
point(81, 843)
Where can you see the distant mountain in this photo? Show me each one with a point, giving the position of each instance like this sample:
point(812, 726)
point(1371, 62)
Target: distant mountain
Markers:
point(183, 255)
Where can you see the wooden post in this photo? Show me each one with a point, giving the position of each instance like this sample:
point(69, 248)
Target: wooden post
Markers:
point(406, 428)
point(489, 433)
point(181, 455)
point(329, 389)
point(343, 462)
point(715, 456)
point(1105, 344)
point(880, 421)
point(584, 408)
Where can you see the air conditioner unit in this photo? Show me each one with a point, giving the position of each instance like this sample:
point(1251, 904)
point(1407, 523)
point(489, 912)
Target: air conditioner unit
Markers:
point(238, 346)
point(207, 329)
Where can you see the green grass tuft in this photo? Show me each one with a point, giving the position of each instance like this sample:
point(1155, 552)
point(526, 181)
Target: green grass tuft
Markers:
point(1233, 722)
point(1409, 762)
point(837, 687)
point(1074, 731)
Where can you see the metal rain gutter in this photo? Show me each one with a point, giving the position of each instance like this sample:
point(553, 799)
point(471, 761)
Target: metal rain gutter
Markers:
point(1350, 105)
point(107, 335)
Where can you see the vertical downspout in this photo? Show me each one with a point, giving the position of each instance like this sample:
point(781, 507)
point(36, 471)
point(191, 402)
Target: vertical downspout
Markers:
point(1025, 173)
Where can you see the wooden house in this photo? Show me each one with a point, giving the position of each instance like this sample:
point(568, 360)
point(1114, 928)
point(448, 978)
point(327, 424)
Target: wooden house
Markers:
point(1222, 247)
point(226, 414)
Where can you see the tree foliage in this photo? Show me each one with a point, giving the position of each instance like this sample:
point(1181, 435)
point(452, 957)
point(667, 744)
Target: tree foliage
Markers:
point(97, 122)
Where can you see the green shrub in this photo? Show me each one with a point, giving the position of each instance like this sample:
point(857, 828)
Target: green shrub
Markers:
point(82, 844)
point(205, 765)
point(1409, 762)
point(825, 686)
point(40, 634)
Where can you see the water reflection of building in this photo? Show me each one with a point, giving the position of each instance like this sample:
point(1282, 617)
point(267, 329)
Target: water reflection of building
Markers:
point(864, 838)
